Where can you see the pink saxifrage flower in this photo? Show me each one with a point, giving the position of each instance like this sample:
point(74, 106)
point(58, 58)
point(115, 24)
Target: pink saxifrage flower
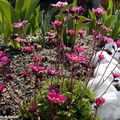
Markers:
point(98, 11)
point(116, 75)
point(76, 58)
point(59, 4)
point(32, 107)
point(57, 23)
point(20, 24)
point(2, 87)
point(56, 97)
point(82, 33)
point(99, 101)
point(36, 68)
point(71, 32)
point(79, 49)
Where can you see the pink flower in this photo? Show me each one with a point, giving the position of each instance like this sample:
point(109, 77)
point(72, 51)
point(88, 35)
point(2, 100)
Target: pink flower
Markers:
point(106, 39)
point(101, 57)
point(116, 75)
point(32, 107)
point(82, 33)
point(57, 23)
point(37, 59)
point(99, 101)
point(98, 11)
point(1, 53)
point(20, 24)
point(75, 58)
point(2, 86)
point(36, 68)
point(28, 48)
point(76, 9)
point(71, 32)
point(25, 74)
point(52, 71)
point(59, 4)
point(4, 59)
point(18, 39)
point(79, 49)
point(56, 97)
point(95, 33)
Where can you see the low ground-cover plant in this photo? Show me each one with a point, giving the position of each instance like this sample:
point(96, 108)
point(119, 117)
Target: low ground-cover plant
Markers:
point(57, 99)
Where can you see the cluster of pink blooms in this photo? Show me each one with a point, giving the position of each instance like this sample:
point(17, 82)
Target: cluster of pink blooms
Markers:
point(2, 87)
point(106, 39)
point(3, 59)
point(56, 97)
point(79, 49)
point(99, 102)
point(59, 4)
point(73, 32)
point(76, 58)
point(20, 24)
point(28, 48)
point(32, 107)
point(50, 71)
point(98, 11)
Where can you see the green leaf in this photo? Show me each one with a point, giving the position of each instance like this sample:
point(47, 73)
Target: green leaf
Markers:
point(110, 8)
point(92, 15)
point(8, 17)
point(80, 25)
point(110, 21)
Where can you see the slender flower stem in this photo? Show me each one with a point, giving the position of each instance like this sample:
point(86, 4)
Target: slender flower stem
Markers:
point(95, 113)
point(106, 69)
